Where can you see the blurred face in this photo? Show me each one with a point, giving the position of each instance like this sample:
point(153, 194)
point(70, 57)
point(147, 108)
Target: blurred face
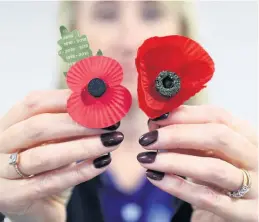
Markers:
point(118, 28)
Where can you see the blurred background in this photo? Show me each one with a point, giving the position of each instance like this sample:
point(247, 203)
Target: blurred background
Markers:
point(227, 29)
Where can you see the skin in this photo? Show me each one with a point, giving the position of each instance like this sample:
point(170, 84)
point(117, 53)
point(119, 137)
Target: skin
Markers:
point(123, 27)
point(223, 145)
point(210, 142)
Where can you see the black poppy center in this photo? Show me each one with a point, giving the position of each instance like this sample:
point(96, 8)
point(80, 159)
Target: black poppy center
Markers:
point(96, 87)
point(168, 83)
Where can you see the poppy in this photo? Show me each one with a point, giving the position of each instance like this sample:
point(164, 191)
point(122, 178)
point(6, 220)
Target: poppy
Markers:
point(98, 100)
point(171, 70)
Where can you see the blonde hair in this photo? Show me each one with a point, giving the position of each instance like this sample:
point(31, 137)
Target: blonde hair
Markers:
point(185, 10)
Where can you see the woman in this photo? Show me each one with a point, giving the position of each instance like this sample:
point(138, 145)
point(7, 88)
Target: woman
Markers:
point(49, 142)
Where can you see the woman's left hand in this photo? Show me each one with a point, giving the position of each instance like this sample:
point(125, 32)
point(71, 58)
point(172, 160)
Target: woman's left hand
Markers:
point(209, 146)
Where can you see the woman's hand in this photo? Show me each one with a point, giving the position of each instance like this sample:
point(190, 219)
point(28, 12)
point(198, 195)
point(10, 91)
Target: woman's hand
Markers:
point(49, 145)
point(211, 147)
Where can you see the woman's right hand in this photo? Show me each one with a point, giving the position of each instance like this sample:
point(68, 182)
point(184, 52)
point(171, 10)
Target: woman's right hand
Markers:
point(49, 143)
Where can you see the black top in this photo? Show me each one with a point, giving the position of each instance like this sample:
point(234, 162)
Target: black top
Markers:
point(84, 205)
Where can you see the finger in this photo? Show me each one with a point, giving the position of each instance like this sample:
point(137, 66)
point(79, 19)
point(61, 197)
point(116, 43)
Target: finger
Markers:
point(209, 170)
point(40, 129)
point(60, 180)
point(54, 182)
point(217, 138)
point(206, 114)
point(51, 101)
point(152, 125)
point(200, 196)
point(52, 156)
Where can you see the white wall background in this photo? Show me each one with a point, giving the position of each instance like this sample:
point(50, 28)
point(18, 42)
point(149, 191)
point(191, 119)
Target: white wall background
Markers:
point(228, 29)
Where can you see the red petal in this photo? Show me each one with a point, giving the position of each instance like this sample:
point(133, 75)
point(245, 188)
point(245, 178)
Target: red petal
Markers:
point(197, 73)
point(111, 70)
point(86, 69)
point(175, 53)
point(169, 53)
point(150, 96)
point(170, 59)
point(143, 105)
point(99, 112)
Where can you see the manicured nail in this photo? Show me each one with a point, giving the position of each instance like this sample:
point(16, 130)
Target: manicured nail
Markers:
point(112, 139)
point(113, 127)
point(148, 138)
point(102, 161)
point(155, 175)
point(164, 116)
point(147, 157)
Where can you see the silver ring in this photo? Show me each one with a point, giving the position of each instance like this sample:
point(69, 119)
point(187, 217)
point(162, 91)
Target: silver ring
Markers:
point(14, 160)
point(247, 183)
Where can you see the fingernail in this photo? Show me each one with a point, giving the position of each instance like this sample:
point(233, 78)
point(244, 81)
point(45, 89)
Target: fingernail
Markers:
point(148, 138)
point(147, 157)
point(155, 175)
point(112, 139)
point(102, 161)
point(164, 116)
point(113, 127)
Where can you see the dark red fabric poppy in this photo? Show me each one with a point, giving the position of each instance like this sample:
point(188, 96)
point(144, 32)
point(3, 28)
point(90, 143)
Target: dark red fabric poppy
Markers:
point(98, 100)
point(171, 69)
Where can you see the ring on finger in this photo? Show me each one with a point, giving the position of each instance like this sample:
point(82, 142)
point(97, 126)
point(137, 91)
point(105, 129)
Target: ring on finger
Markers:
point(244, 189)
point(14, 160)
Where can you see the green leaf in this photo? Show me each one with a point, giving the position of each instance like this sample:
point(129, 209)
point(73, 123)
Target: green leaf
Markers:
point(99, 53)
point(73, 46)
point(63, 30)
point(65, 73)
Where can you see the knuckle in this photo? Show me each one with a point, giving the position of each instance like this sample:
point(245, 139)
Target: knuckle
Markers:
point(220, 134)
point(40, 186)
point(37, 126)
point(219, 114)
point(81, 174)
point(178, 187)
point(215, 170)
point(34, 161)
point(33, 128)
point(82, 145)
point(208, 198)
point(32, 101)
point(47, 184)
point(88, 150)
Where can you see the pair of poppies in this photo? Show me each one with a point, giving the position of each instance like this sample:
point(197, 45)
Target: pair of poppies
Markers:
point(171, 69)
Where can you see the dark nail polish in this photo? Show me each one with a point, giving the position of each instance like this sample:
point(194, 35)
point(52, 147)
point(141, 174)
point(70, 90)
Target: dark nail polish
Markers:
point(102, 161)
point(155, 175)
point(113, 127)
point(112, 139)
point(164, 116)
point(148, 138)
point(147, 157)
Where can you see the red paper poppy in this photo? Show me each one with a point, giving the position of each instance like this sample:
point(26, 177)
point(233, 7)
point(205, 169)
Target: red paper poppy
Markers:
point(171, 69)
point(98, 100)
